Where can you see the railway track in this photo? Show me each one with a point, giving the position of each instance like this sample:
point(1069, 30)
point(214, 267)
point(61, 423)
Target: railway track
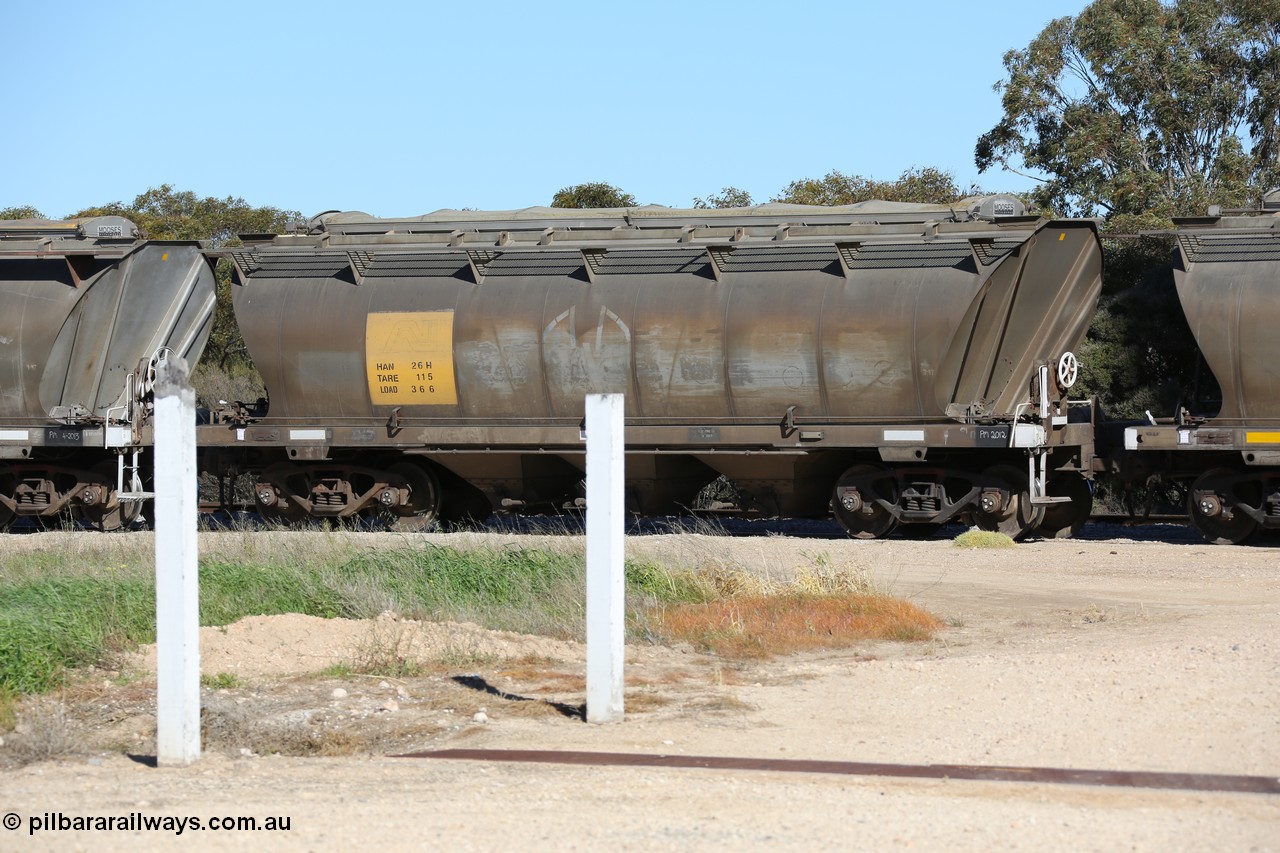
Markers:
point(243, 517)
point(1208, 782)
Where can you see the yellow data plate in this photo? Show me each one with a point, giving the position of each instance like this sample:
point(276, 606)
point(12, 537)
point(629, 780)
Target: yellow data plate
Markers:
point(1262, 438)
point(409, 359)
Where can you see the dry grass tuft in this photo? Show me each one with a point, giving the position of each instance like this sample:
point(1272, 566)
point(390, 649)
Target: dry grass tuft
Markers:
point(385, 650)
point(724, 582)
point(760, 626)
point(391, 648)
point(534, 709)
point(43, 730)
point(553, 682)
point(816, 574)
point(644, 700)
point(719, 704)
point(822, 577)
point(236, 725)
point(823, 605)
point(229, 727)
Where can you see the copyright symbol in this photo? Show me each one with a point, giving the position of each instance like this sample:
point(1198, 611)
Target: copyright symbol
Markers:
point(12, 821)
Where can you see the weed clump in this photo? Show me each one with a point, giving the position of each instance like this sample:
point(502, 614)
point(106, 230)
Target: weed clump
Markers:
point(983, 539)
point(221, 681)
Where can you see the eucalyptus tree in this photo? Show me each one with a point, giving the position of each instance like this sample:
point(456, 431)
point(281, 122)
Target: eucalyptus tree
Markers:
point(1143, 110)
point(597, 194)
point(163, 213)
point(922, 185)
point(726, 198)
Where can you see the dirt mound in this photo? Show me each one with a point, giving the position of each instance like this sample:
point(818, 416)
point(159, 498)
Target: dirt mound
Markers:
point(293, 644)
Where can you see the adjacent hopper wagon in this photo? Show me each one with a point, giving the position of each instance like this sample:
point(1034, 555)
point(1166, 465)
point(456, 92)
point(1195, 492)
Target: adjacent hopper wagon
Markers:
point(87, 309)
point(1227, 271)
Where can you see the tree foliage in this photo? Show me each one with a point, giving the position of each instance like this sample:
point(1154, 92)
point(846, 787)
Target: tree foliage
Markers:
point(593, 195)
point(1143, 109)
point(25, 211)
point(726, 198)
point(163, 213)
point(923, 186)
point(1140, 354)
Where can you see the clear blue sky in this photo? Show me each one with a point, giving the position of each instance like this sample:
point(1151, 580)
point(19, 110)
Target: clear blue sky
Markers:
point(401, 108)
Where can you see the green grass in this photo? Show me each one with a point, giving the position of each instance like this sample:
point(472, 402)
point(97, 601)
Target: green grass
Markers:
point(221, 681)
point(49, 625)
point(87, 600)
point(9, 701)
point(61, 614)
point(983, 539)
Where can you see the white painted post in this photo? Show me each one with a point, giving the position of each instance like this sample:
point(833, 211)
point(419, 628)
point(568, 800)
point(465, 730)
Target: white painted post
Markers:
point(606, 582)
point(177, 584)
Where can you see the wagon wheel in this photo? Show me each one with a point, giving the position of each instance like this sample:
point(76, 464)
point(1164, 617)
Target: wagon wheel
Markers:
point(113, 513)
point(283, 510)
point(1064, 520)
point(422, 510)
point(853, 501)
point(7, 483)
point(1164, 496)
point(463, 504)
point(1014, 516)
point(1211, 505)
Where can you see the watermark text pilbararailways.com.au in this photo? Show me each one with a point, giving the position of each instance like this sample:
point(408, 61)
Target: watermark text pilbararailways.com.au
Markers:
point(139, 822)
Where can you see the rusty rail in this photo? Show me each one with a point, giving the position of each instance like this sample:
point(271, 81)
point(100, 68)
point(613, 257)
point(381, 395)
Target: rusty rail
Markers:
point(975, 772)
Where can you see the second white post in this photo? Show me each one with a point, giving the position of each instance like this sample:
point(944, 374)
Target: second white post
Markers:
point(606, 581)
